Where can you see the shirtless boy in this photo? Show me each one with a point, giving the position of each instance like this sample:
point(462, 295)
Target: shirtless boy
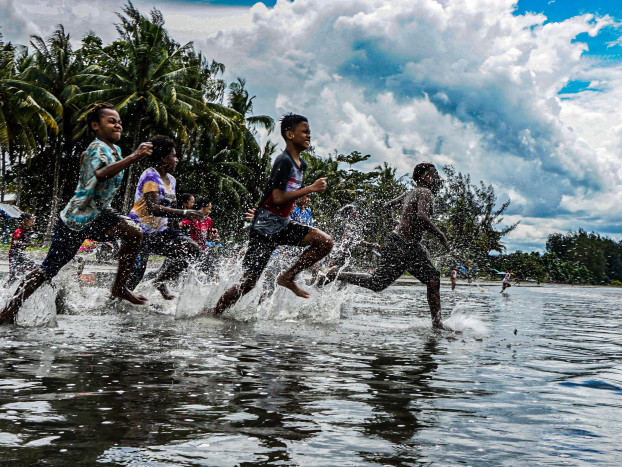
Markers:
point(403, 250)
point(272, 225)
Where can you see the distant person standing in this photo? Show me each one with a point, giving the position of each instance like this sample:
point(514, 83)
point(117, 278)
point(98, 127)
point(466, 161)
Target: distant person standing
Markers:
point(506, 280)
point(19, 263)
point(89, 213)
point(453, 276)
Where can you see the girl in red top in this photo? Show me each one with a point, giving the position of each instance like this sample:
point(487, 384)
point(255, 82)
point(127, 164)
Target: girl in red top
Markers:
point(202, 231)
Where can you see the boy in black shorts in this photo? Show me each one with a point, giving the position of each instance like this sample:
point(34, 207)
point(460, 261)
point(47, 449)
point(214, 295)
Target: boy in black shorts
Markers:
point(272, 225)
point(403, 250)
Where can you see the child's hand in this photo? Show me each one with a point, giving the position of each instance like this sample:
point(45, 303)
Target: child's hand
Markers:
point(319, 184)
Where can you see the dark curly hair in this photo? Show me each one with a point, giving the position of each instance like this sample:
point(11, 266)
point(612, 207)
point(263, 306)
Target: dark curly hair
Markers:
point(94, 115)
point(202, 203)
point(162, 147)
point(290, 121)
point(421, 169)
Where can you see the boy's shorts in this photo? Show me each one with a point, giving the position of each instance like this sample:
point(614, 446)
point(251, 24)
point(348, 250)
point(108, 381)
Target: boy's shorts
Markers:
point(260, 247)
point(398, 256)
point(66, 242)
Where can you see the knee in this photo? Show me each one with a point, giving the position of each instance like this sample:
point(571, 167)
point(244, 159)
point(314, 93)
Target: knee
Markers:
point(323, 241)
point(434, 283)
point(248, 283)
point(378, 286)
point(131, 234)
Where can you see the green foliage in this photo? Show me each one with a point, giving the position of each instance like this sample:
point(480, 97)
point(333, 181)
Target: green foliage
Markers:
point(601, 256)
point(159, 86)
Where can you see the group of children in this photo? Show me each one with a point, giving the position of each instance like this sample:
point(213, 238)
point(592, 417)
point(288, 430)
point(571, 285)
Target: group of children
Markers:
point(148, 228)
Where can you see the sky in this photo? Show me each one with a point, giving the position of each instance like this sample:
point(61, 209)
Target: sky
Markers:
point(523, 95)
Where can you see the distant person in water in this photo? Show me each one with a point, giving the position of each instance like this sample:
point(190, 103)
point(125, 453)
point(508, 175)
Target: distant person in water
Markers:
point(403, 250)
point(89, 214)
point(154, 204)
point(453, 276)
point(506, 280)
point(19, 263)
point(272, 225)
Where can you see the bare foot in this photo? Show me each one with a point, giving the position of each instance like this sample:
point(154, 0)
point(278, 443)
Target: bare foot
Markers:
point(442, 327)
point(328, 277)
point(163, 289)
point(291, 285)
point(126, 294)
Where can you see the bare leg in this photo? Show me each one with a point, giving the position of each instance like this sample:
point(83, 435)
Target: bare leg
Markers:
point(130, 237)
point(320, 245)
point(179, 261)
point(434, 301)
point(26, 288)
point(233, 294)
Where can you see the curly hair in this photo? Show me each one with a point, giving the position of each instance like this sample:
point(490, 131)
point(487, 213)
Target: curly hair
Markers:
point(162, 147)
point(421, 169)
point(94, 115)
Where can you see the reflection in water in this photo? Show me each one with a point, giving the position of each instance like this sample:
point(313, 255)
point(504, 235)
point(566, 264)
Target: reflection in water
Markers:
point(535, 378)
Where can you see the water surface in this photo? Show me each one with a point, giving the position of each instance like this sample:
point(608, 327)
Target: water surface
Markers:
point(357, 379)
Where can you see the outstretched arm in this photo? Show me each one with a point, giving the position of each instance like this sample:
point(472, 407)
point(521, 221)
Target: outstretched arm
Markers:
point(112, 170)
point(156, 209)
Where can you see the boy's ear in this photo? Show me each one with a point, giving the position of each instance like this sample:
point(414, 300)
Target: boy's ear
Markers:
point(289, 134)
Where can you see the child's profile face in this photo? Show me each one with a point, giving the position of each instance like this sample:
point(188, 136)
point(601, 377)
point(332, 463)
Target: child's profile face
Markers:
point(188, 204)
point(29, 223)
point(207, 209)
point(300, 136)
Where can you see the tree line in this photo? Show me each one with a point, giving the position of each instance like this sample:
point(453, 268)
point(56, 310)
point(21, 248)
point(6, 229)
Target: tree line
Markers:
point(160, 86)
point(574, 258)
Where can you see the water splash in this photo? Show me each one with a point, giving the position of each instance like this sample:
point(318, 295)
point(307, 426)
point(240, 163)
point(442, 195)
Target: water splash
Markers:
point(39, 310)
point(461, 318)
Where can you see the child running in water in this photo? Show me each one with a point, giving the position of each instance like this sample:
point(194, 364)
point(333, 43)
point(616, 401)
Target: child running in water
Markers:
point(202, 231)
point(89, 214)
point(403, 250)
point(506, 281)
point(154, 204)
point(272, 225)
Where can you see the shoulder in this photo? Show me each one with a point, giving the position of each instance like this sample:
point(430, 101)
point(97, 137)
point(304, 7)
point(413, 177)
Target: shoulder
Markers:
point(283, 159)
point(150, 175)
point(18, 232)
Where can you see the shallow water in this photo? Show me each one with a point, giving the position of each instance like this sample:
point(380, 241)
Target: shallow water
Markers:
point(360, 379)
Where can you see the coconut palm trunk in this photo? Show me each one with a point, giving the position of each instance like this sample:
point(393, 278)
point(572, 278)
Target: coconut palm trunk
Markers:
point(55, 194)
point(128, 199)
point(3, 177)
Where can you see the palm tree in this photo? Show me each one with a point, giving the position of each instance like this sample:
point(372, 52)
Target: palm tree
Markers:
point(55, 67)
point(27, 112)
point(146, 83)
point(254, 158)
